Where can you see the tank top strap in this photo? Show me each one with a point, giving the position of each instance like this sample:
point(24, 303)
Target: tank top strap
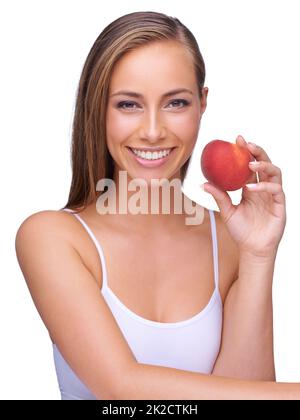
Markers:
point(97, 244)
point(214, 247)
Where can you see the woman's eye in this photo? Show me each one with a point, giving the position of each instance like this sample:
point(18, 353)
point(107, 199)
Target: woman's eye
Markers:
point(126, 105)
point(179, 101)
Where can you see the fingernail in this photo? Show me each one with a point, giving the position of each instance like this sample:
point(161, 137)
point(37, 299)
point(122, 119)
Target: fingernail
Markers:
point(252, 144)
point(241, 137)
point(254, 163)
point(251, 186)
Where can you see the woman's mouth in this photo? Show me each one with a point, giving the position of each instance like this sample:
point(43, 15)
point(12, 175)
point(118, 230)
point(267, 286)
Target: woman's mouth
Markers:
point(151, 159)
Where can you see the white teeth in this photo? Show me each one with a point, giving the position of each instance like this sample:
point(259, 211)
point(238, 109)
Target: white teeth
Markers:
point(151, 156)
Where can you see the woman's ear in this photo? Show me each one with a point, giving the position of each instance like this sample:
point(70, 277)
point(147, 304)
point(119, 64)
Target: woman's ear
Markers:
point(203, 100)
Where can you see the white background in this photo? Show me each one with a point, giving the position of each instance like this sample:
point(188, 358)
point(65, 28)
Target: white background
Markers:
point(251, 51)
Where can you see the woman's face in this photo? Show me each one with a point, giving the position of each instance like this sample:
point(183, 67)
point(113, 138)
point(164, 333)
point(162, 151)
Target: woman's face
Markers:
point(143, 115)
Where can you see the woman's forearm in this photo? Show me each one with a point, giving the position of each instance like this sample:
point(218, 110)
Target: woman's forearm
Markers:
point(158, 382)
point(247, 341)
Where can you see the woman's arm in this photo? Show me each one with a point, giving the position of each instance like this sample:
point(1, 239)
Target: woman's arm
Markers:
point(247, 339)
point(256, 225)
point(156, 382)
point(81, 324)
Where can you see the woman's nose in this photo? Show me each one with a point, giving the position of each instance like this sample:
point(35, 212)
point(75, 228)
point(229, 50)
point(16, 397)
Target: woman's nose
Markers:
point(152, 127)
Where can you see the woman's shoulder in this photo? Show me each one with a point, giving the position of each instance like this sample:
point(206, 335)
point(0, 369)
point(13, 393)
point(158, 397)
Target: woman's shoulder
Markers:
point(57, 228)
point(46, 222)
point(227, 247)
point(54, 226)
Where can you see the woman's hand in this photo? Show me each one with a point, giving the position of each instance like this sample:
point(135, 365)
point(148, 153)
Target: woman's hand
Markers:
point(257, 223)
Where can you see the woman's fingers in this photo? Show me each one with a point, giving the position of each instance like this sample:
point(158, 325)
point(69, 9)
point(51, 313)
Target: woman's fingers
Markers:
point(223, 200)
point(258, 152)
point(259, 155)
point(270, 187)
point(240, 141)
point(272, 172)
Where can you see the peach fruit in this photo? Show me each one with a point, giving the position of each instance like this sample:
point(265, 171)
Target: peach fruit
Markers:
point(226, 165)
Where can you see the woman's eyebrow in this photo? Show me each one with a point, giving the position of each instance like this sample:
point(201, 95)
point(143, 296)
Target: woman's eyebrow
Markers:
point(139, 95)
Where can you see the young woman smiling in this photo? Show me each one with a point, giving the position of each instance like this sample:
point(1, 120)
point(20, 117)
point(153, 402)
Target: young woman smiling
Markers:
point(143, 306)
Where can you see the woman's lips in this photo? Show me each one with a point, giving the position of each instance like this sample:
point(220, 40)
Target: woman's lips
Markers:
point(151, 163)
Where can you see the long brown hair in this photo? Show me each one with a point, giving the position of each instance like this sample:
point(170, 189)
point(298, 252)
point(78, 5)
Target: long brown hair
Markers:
point(90, 157)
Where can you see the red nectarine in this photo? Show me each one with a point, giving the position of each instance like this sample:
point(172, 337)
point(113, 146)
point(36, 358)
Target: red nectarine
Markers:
point(226, 165)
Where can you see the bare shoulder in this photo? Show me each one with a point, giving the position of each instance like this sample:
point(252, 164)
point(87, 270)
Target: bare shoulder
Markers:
point(58, 228)
point(52, 230)
point(44, 222)
point(69, 302)
point(40, 237)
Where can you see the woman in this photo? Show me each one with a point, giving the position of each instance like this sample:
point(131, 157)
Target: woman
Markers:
point(185, 311)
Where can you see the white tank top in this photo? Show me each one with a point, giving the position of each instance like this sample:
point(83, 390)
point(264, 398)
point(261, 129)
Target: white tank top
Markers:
point(192, 344)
